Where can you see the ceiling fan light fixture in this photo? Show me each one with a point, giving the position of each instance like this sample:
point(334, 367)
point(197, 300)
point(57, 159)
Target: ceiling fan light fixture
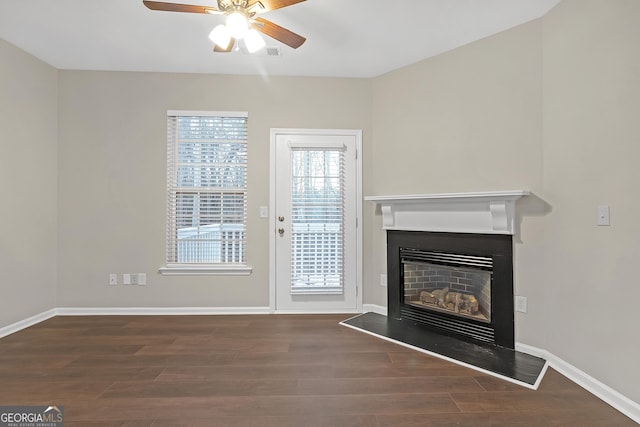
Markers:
point(254, 41)
point(237, 25)
point(240, 17)
point(221, 36)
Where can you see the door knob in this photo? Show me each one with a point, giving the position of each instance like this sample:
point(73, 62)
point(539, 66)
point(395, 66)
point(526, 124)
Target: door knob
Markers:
point(281, 231)
point(281, 218)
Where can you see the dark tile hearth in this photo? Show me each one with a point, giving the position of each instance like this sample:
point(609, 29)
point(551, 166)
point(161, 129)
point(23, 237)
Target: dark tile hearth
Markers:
point(511, 365)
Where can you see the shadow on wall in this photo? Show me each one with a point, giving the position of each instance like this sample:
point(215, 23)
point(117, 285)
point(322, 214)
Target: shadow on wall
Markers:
point(530, 206)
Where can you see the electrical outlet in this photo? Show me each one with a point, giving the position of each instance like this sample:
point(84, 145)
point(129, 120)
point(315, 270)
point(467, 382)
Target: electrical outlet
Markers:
point(126, 279)
point(142, 279)
point(113, 279)
point(521, 304)
point(383, 280)
point(134, 279)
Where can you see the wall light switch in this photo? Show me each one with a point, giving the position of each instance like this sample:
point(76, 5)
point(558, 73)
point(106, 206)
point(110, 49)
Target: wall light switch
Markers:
point(126, 279)
point(142, 279)
point(264, 212)
point(113, 279)
point(603, 215)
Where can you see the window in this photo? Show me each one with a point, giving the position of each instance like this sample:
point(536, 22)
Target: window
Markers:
point(206, 192)
point(317, 220)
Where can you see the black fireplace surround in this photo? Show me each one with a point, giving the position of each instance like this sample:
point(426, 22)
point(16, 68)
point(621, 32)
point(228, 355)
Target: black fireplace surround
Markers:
point(496, 251)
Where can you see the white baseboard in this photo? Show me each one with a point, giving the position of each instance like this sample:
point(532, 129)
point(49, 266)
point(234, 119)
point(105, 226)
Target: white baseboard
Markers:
point(316, 312)
point(159, 311)
point(23, 324)
point(605, 393)
point(374, 308)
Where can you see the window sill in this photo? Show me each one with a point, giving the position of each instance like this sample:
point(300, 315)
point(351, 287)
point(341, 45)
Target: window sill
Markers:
point(205, 270)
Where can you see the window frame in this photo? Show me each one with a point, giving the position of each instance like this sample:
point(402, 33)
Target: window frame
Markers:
point(197, 268)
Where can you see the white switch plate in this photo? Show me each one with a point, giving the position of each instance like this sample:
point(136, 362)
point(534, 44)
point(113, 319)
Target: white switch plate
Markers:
point(264, 212)
point(126, 279)
point(603, 215)
point(521, 304)
point(142, 279)
point(113, 279)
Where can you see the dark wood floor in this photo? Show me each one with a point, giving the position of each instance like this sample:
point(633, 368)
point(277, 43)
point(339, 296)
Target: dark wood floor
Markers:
point(277, 370)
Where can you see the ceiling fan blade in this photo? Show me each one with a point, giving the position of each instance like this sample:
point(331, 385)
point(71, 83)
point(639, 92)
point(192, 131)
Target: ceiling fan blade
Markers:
point(279, 33)
point(178, 7)
point(229, 48)
point(268, 5)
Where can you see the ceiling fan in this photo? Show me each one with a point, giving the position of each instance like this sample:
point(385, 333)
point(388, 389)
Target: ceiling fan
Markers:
point(242, 22)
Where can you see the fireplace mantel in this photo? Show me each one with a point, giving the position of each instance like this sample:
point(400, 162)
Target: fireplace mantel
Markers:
point(482, 212)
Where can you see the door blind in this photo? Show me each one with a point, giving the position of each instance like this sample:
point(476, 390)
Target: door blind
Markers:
point(317, 220)
point(207, 188)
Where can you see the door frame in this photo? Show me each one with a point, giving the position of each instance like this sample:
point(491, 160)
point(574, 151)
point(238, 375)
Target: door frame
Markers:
point(274, 132)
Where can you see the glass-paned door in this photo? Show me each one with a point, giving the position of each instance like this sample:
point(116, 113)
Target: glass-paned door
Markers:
point(316, 223)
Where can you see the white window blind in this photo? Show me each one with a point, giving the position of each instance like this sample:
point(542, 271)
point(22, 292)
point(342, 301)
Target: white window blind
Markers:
point(317, 196)
point(206, 188)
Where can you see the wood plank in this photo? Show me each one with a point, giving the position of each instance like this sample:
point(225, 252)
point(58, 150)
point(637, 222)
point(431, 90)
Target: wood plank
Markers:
point(264, 371)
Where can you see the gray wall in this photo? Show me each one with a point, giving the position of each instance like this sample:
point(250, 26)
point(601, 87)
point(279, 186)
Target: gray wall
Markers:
point(28, 172)
point(467, 120)
point(112, 178)
point(591, 152)
point(551, 106)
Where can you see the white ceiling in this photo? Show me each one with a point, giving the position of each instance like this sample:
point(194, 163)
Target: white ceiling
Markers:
point(345, 38)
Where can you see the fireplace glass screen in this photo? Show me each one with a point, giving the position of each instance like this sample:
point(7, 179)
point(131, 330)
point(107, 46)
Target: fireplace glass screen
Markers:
point(458, 290)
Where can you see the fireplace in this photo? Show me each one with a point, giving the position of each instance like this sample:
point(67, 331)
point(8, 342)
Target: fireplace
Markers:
point(456, 283)
point(450, 280)
point(459, 285)
point(450, 262)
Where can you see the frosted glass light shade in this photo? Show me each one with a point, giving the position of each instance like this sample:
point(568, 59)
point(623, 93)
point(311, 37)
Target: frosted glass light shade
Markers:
point(237, 25)
point(221, 36)
point(253, 40)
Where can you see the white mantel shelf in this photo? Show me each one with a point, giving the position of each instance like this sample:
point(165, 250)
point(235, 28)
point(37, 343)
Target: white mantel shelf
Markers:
point(490, 212)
